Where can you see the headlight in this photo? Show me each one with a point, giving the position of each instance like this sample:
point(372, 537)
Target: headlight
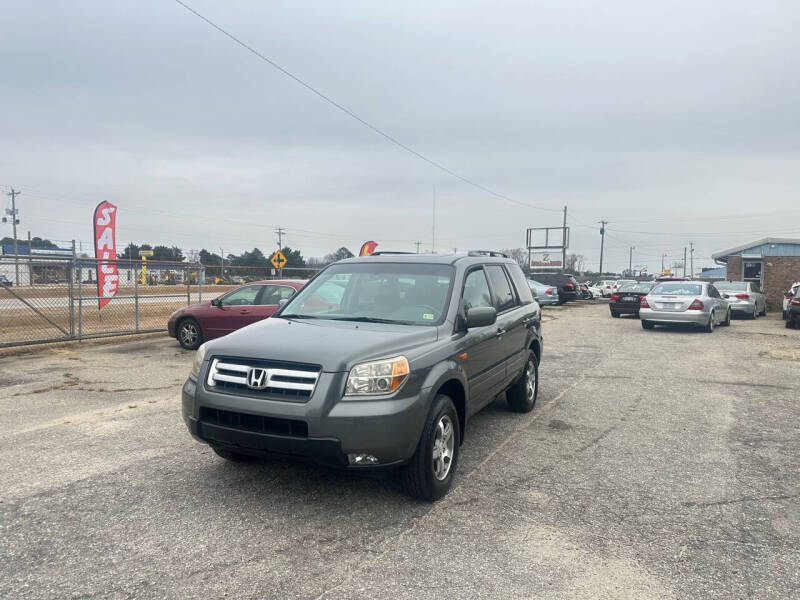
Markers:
point(378, 377)
point(199, 357)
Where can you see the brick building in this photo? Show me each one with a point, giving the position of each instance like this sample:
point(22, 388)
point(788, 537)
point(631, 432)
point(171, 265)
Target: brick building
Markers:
point(773, 263)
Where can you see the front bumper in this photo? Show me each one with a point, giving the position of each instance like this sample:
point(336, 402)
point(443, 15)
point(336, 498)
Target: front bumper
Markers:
point(694, 317)
point(388, 428)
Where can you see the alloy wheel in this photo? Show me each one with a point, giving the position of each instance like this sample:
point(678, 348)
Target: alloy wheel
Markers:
point(188, 333)
point(443, 447)
point(530, 381)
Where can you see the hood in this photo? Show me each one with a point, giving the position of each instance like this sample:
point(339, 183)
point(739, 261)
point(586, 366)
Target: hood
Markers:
point(336, 345)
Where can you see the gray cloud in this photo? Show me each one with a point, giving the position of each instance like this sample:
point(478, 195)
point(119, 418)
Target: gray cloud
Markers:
point(659, 117)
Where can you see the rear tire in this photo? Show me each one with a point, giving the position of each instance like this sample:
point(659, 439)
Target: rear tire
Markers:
point(189, 334)
point(647, 325)
point(522, 395)
point(763, 313)
point(709, 328)
point(429, 474)
point(754, 316)
point(232, 456)
point(727, 321)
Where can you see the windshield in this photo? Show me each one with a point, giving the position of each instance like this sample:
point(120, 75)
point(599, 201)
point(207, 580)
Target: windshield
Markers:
point(636, 287)
point(731, 286)
point(411, 294)
point(677, 289)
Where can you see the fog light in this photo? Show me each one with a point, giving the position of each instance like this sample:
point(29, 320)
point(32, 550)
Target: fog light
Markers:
point(362, 459)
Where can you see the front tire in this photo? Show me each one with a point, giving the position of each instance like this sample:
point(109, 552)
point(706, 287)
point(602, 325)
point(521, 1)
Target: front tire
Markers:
point(615, 314)
point(727, 320)
point(429, 474)
point(647, 325)
point(522, 395)
point(189, 334)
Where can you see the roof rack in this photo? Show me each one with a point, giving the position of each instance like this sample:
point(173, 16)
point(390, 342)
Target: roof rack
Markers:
point(389, 252)
point(487, 253)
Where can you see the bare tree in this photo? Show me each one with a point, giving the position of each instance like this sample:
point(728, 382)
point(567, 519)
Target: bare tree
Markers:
point(518, 254)
point(575, 263)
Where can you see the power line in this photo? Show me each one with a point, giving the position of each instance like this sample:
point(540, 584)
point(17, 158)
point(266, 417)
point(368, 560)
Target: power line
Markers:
point(353, 115)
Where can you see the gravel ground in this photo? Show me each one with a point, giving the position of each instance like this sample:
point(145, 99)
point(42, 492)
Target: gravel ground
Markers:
point(657, 464)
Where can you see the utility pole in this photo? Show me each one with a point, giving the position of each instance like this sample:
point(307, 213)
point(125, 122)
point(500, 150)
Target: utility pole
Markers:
point(280, 231)
point(630, 261)
point(433, 227)
point(14, 193)
point(564, 244)
point(602, 242)
point(417, 244)
point(663, 255)
point(691, 255)
point(684, 261)
point(221, 263)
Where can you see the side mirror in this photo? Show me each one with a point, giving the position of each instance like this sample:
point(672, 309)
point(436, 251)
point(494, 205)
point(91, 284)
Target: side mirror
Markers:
point(216, 302)
point(726, 295)
point(282, 302)
point(481, 316)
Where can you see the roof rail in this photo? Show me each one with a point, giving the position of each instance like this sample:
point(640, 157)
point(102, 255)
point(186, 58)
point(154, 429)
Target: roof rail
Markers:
point(382, 252)
point(487, 253)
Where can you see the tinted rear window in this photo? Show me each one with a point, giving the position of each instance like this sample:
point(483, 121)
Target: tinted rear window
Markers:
point(635, 287)
point(677, 289)
point(503, 296)
point(731, 286)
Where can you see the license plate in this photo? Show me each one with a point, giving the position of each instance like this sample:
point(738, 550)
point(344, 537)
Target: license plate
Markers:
point(629, 299)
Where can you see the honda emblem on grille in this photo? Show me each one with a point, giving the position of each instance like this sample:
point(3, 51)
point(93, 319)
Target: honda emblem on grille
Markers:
point(257, 379)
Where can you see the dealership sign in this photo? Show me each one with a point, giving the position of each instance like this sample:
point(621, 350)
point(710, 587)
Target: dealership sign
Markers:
point(105, 251)
point(546, 260)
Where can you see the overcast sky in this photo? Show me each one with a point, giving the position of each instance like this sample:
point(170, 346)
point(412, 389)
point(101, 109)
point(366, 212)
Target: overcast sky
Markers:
point(679, 119)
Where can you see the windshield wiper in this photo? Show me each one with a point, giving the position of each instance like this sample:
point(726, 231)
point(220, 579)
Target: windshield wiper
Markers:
point(367, 320)
point(290, 316)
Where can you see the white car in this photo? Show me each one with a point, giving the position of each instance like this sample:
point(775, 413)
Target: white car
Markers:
point(620, 282)
point(787, 297)
point(606, 287)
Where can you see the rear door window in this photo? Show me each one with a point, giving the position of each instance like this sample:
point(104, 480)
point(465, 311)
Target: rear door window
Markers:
point(504, 298)
point(273, 294)
point(524, 291)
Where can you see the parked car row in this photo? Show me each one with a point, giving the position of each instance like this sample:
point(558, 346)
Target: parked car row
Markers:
point(792, 310)
point(683, 301)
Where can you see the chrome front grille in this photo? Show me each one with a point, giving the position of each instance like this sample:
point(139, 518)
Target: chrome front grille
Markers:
point(259, 378)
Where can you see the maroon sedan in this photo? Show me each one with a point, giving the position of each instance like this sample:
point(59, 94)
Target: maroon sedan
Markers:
point(252, 302)
point(627, 299)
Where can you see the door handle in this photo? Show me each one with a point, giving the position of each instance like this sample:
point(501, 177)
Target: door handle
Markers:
point(244, 311)
point(500, 332)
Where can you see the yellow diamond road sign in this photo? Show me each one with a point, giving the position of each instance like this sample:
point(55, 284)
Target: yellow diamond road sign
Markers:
point(278, 260)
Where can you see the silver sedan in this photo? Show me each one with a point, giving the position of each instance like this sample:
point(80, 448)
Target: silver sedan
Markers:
point(745, 297)
point(688, 302)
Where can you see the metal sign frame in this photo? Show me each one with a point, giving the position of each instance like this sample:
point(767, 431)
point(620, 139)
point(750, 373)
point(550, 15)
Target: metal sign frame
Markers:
point(561, 246)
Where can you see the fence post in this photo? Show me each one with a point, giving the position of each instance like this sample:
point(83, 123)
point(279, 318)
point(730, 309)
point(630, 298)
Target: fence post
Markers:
point(199, 286)
point(188, 291)
point(80, 308)
point(136, 301)
point(71, 279)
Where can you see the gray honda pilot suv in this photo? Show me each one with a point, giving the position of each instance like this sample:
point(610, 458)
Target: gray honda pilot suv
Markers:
point(379, 361)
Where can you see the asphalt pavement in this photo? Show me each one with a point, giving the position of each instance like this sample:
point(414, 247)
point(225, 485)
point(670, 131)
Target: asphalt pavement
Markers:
point(656, 464)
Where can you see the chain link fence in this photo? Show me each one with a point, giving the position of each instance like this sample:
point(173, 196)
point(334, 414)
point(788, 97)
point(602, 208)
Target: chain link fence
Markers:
point(50, 299)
